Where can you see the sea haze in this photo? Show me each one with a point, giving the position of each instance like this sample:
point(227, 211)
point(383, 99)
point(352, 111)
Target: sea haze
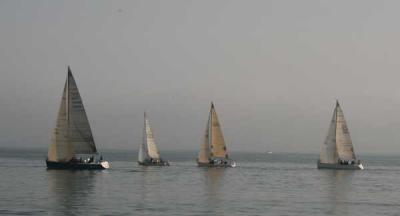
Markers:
point(263, 184)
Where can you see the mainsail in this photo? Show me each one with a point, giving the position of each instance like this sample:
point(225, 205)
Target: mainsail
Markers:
point(344, 145)
point(148, 140)
point(218, 148)
point(338, 144)
point(213, 144)
point(72, 134)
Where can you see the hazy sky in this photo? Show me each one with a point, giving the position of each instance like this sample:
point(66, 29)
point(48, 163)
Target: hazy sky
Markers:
point(273, 69)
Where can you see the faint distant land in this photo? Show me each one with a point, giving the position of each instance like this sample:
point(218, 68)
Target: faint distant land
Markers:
point(213, 150)
point(72, 145)
point(148, 152)
point(337, 152)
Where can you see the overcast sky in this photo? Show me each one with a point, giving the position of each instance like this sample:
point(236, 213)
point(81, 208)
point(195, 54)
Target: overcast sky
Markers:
point(272, 68)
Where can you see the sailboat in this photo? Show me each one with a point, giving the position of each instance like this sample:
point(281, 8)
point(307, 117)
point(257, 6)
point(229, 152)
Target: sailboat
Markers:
point(148, 152)
point(337, 152)
point(72, 145)
point(213, 152)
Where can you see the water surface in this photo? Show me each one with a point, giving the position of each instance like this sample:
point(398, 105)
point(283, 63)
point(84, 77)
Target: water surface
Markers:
point(263, 184)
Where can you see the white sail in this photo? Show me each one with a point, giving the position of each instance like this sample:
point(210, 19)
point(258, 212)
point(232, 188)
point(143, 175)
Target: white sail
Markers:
point(152, 150)
point(142, 153)
point(143, 146)
point(204, 153)
point(328, 149)
point(60, 148)
point(344, 144)
point(72, 134)
point(218, 147)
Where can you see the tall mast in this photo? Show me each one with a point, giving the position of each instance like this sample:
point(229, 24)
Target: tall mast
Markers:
point(336, 111)
point(210, 129)
point(145, 134)
point(67, 100)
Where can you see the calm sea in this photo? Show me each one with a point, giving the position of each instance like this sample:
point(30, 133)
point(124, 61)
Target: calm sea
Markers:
point(263, 184)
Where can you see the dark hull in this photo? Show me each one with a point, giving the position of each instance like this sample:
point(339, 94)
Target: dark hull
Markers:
point(339, 166)
point(73, 166)
point(162, 163)
point(214, 165)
